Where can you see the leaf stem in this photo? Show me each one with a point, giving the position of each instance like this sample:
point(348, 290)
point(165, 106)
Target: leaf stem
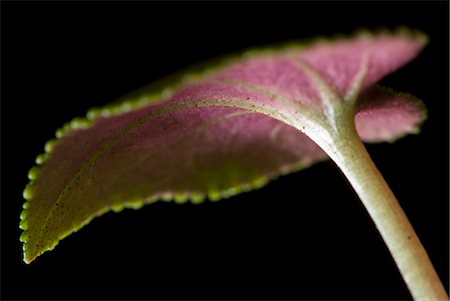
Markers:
point(349, 153)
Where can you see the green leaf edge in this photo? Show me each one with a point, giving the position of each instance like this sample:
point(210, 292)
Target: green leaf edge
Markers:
point(162, 89)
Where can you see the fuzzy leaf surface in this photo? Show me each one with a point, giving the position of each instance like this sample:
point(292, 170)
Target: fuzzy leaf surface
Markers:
point(216, 133)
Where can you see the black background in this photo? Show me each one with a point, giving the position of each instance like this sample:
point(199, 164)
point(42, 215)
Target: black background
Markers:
point(304, 236)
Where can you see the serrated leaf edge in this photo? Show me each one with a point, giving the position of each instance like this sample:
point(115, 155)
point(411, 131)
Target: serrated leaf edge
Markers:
point(80, 123)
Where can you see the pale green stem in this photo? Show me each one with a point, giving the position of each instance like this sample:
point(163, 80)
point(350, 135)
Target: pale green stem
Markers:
point(336, 135)
point(348, 152)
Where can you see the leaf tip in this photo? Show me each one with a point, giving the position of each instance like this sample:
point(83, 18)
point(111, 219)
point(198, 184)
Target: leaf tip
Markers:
point(32, 250)
point(23, 225)
point(27, 259)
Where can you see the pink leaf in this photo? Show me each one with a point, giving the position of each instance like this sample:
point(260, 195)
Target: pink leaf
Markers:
point(385, 115)
point(228, 130)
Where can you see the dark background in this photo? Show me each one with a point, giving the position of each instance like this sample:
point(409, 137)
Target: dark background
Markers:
point(304, 236)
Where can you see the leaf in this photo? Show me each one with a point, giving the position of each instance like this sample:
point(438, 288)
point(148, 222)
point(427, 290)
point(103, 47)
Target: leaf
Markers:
point(216, 133)
point(385, 115)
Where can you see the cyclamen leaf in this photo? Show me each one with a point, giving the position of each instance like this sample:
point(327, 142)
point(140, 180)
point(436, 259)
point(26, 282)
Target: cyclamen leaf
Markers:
point(221, 132)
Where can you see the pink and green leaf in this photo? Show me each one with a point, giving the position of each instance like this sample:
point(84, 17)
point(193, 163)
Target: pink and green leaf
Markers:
point(216, 133)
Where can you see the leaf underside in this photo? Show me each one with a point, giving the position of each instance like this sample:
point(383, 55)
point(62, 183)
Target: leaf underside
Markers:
point(216, 132)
